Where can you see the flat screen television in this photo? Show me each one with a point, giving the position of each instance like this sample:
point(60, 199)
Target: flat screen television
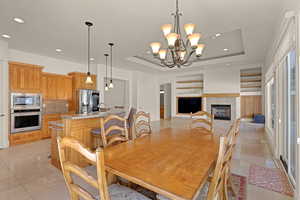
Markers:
point(189, 104)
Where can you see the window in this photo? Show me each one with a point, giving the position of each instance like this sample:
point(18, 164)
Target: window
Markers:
point(271, 104)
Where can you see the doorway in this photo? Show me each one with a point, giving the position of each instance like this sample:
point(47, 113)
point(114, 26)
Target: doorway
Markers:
point(165, 101)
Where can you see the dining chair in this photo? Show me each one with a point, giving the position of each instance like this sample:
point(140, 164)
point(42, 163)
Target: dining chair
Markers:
point(142, 127)
point(76, 190)
point(232, 136)
point(115, 133)
point(202, 120)
point(214, 187)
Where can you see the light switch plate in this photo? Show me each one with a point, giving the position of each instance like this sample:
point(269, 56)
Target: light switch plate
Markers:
point(298, 140)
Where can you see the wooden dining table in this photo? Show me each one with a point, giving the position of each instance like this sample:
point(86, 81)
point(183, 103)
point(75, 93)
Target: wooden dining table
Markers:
point(172, 162)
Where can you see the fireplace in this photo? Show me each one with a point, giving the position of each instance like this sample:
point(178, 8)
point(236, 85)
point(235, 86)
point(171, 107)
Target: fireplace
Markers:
point(221, 112)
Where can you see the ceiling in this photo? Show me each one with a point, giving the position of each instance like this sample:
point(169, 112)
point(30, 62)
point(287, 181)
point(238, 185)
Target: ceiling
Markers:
point(246, 25)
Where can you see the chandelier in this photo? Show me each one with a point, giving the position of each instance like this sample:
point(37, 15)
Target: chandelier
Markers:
point(179, 52)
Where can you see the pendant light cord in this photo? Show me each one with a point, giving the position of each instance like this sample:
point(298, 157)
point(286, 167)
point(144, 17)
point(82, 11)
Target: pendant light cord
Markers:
point(88, 49)
point(106, 55)
point(111, 59)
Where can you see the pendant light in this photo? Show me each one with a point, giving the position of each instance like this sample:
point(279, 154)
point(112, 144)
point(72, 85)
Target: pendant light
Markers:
point(88, 78)
point(111, 85)
point(106, 86)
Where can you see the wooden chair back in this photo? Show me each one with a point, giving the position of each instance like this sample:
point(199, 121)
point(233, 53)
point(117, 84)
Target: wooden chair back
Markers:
point(108, 135)
point(142, 127)
point(203, 120)
point(216, 187)
point(69, 168)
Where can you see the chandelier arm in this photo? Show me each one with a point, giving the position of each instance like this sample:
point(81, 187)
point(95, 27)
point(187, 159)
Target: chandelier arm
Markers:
point(188, 58)
point(168, 65)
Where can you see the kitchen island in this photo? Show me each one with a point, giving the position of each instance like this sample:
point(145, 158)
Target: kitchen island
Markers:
point(78, 126)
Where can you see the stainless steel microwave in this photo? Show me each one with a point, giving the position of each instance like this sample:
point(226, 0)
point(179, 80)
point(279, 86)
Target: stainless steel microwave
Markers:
point(26, 101)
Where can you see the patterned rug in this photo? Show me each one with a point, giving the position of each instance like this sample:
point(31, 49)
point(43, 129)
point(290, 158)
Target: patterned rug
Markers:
point(240, 183)
point(270, 179)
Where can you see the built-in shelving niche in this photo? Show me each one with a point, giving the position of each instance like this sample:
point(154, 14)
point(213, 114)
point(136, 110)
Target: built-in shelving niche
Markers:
point(190, 85)
point(251, 81)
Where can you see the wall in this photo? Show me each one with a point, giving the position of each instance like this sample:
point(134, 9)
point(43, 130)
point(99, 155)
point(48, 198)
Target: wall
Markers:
point(4, 98)
point(119, 95)
point(224, 80)
point(143, 88)
point(52, 65)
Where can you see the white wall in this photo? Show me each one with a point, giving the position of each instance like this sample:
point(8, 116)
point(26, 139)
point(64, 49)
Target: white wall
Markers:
point(4, 105)
point(52, 65)
point(224, 80)
point(143, 88)
point(117, 96)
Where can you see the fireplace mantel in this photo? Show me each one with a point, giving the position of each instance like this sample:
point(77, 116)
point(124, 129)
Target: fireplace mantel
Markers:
point(221, 95)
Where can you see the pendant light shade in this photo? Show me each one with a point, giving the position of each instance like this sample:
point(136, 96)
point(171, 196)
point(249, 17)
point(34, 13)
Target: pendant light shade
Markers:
point(155, 46)
point(172, 38)
point(111, 85)
point(167, 28)
point(199, 49)
point(106, 85)
point(189, 28)
point(89, 78)
point(194, 39)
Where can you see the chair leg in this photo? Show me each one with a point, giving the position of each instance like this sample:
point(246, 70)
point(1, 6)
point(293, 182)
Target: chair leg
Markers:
point(232, 187)
point(74, 196)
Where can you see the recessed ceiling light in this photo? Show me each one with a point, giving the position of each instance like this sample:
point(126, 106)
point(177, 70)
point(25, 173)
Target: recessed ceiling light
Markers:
point(19, 20)
point(226, 49)
point(92, 59)
point(6, 36)
point(227, 64)
point(218, 34)
point(58, 50)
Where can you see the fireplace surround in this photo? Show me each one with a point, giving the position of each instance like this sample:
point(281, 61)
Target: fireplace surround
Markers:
point(221, 112)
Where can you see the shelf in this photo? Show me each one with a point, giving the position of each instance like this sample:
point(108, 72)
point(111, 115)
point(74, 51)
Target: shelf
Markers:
point(183, 88)
point(250, 74)
point(251, 86)
point(250, 80)
point(190, 81)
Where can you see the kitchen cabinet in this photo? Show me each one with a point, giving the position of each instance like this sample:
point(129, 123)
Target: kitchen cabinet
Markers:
point(250, 106)
point(46, 119)
point(25, 137)
point(57, 87)
point(25, 77)
point(78, 82)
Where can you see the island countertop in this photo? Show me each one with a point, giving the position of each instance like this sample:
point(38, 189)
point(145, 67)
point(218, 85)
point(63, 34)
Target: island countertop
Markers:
point(121, 112)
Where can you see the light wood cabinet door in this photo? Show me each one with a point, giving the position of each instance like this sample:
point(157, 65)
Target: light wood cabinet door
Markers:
point(68, 88)
point(250, 106)
point(51, 87)
point(46, 119)
point(25, 78)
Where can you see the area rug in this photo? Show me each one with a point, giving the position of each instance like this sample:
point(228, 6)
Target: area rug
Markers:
point(271, 179)
point(240, 183)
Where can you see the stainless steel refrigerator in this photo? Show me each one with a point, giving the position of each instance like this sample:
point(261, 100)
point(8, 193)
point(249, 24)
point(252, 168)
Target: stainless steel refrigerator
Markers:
point(89, 101)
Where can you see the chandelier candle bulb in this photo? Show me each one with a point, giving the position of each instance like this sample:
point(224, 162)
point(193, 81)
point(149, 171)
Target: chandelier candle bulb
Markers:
point(194, 39)
point(155, 47)
point(162, 54)
point(182, 55)
point(189, 28)
point(167, 28)
point(199, 49)
point(172, 38)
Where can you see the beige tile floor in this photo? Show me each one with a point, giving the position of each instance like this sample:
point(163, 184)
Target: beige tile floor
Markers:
point(26, 174)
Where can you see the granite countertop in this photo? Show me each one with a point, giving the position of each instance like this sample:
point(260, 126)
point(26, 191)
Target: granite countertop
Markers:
point(121, 112)
point(58, 123)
